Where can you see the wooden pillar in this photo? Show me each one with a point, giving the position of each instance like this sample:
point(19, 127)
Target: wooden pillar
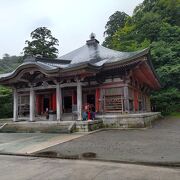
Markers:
point(54, 102)
point(122, 103)
point(42, 103)
point(38, 104)
point(126, 99)
point(97, 99)
point(148, 103)
point(136, 100)
point(50, 102)
point(58, 102)
point(79, 100)
point(74, 97)
point(143, 103)
point(15, 105)
point(32, 105)
point(101, 104)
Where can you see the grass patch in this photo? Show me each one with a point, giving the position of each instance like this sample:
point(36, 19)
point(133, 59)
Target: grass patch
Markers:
point(5, 120)
point(175, 114)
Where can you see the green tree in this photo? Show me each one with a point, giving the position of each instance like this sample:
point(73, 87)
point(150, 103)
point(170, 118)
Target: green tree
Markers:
point(155, 23)
point(148, 27)
point(43, 43)
point(166, 100)
point(168, 9)
point(6, 56)
point(7, 64)
point(6, 102)
point(125, 39)
point(116, 21)
point(165, 55)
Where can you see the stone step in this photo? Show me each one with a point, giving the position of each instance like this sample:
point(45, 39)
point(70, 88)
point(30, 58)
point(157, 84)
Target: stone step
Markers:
point(68, 117)
point(41, 127)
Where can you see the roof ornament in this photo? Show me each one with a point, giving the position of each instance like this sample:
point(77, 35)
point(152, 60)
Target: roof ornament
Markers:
point(38, 56)
point(92, 36)
point(45, 84)
point(93, 41)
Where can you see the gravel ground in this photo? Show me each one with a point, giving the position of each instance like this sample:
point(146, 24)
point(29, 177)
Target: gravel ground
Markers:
point(161, 143)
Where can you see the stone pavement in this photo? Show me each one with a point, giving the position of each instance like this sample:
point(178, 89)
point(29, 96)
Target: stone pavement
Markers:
point(26, 143)
point(158, 144)
point(31, 168)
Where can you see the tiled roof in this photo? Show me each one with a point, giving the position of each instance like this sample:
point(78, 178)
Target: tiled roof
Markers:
point(91, 53)
point(98, 53)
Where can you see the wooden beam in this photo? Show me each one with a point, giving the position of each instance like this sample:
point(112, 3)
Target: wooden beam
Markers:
point(148, 72)
point(141, 76)
point(71, 84)
point(37, 88)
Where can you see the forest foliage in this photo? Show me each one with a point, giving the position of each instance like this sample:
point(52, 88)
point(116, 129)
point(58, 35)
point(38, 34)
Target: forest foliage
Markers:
point(7, 64)
point(154, 24)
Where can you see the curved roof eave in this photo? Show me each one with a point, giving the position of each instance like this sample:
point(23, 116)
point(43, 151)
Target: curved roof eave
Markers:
point(153, 70)
point(129, 59)
point(98, 65)
point(81, 66)
point(41, 67)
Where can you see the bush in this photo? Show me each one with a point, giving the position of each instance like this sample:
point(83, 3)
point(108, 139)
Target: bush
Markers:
point(166, 100)
point(6, 110)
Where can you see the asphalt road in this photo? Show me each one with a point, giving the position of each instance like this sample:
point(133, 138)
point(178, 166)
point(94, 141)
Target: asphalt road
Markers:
point(158, 144)
point(30, 168)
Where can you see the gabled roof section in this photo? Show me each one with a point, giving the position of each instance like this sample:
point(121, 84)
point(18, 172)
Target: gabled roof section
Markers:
point(47, 62)
point(96, 54)
point(91, 56)
point(40, 66)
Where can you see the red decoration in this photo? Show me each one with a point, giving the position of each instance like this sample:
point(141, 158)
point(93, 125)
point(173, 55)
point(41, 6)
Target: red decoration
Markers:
point(39, 104)
point(54, 101)
point(97, 99)
point(42, 104)
point(74, 98)
point(136, 100)
point(89, 115)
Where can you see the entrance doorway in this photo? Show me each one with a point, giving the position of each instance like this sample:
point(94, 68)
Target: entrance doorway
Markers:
point(67, 104)
point(46, 104)
point(91, 99)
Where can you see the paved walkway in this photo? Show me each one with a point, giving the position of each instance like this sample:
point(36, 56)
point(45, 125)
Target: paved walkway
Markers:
point(26, 143)
point(30, 168)
point(158, 144)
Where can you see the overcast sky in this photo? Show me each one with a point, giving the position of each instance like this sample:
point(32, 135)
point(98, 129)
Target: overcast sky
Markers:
point(70, 21)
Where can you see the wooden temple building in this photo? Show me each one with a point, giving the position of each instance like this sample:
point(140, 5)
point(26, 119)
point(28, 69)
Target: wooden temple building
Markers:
point(112, 81)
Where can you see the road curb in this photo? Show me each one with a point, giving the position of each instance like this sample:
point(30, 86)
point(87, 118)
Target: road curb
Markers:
point(158, 164)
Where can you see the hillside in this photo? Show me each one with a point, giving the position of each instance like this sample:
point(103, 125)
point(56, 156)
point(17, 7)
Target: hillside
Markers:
point(8, 64)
